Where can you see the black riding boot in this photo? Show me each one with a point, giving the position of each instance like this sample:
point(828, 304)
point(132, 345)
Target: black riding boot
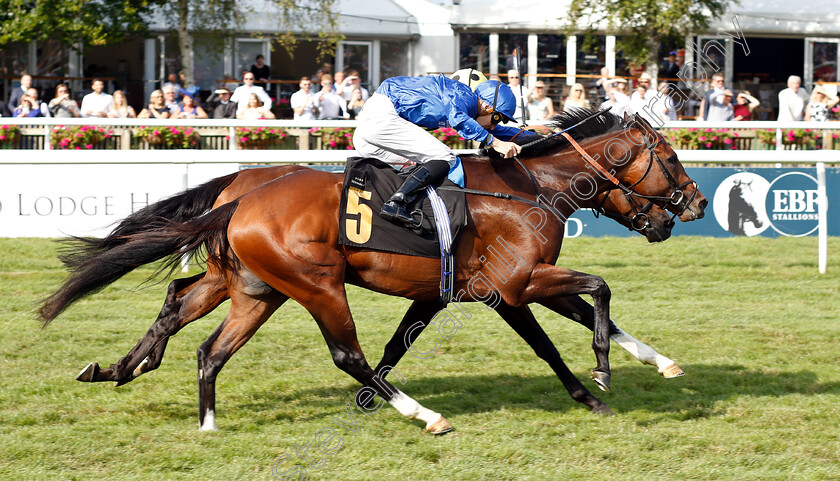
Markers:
point(395, 210)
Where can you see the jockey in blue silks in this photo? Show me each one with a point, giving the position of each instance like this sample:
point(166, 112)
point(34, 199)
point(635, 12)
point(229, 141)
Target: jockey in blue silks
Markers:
point(393, 121)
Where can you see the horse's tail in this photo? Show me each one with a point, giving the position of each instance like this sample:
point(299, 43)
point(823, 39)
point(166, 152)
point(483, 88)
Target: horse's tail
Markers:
point(162, 239)
point(180, 207)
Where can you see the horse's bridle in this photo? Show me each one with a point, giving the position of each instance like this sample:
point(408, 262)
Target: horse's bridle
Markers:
point(639, 220)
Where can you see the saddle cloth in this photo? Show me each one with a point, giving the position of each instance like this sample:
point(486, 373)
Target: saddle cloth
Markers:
point(368, 183)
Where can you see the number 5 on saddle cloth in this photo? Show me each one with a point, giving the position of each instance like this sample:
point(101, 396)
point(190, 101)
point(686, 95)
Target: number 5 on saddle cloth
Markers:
point(367, 185)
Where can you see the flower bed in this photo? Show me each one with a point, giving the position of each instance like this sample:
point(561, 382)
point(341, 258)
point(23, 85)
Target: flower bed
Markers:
point(260, 137)
point(169, 137)
point(335, 138)
point(449, 137)
point(78, 137)
point(703, 139)
point(9, 134)
point(799, 139)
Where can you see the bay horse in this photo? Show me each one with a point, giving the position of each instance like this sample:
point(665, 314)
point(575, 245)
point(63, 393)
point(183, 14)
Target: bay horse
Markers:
point(192, 298)
point(314, 275)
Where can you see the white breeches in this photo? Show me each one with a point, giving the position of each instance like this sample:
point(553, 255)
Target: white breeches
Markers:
point(384, 135)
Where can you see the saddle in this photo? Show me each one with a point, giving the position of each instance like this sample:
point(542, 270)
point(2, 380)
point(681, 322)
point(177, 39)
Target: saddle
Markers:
point(368, 183)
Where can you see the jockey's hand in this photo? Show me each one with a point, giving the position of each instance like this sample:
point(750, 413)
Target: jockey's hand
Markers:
point(506, 149)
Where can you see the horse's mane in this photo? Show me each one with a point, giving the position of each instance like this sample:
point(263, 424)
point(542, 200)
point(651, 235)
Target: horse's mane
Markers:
point(598, 125)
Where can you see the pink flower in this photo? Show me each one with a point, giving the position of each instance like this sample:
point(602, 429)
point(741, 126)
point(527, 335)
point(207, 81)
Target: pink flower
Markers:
point(88, 146)
point(189, 131)
point(2, 137)
point(333, 143)
point(244, 139)
point(734, 148)
point(703, 137)
point(708, 145)
point(734, 134)
point(79, 135)
point(727, 141)
point(156, 132)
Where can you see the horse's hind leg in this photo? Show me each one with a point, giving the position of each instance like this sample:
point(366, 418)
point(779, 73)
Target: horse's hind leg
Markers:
point(186, 300)
point(580, 311)
point(247, 314)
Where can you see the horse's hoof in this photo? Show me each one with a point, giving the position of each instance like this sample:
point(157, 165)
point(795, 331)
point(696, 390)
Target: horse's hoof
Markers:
point(441, 426)
point(89, 373)
point(603, 410)
point(602, 379)
point(672, 371)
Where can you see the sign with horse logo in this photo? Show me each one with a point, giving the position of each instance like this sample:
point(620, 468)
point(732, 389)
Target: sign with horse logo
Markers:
point(747, 204)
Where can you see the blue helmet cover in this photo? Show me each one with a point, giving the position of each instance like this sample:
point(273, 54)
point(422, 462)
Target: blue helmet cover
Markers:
point(499, 96)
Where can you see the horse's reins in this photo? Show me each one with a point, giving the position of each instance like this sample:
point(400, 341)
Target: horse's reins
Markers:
point(639, 221)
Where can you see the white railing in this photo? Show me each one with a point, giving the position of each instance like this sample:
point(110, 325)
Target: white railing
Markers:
point(303, 126)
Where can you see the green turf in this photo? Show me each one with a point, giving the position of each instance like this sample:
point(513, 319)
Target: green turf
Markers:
point(751, 322)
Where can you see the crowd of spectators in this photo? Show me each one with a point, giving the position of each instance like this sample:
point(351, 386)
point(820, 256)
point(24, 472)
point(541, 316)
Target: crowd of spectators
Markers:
point(340, 95)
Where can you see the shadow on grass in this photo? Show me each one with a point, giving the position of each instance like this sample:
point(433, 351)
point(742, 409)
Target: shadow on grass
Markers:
point(634, 389)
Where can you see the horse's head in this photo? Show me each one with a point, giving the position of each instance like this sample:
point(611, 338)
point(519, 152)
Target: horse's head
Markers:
point(647, 219)
point(653, 170)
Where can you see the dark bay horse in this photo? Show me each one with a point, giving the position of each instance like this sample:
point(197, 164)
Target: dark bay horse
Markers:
point(314, 276)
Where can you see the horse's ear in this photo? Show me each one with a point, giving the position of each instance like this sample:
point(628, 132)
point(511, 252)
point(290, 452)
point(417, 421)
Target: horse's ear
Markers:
point(627, 117)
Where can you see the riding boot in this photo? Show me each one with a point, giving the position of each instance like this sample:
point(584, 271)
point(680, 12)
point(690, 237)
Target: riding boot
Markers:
point(395, 209)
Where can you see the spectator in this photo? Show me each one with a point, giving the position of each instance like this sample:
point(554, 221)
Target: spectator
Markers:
point(717, 87)
point(603, 83)
point(819, 105)
point(518, 92)
point(745, 103)
point(351, 82)
point(18, 93)
point(539, 105)
point(121, 109)
point(225, 109)
point(338, 82)
point(157, 107)
point(255, 110)
point(242, 93)
point(261, 71)
point(303, 102)
point(619, 102)
point(792, 100)
point(720, 106)
point(32, 93)
point(189, 109)
point(663, 108)
point(97, 103)
point(330, 105)
point(576, 99)
point(4, 111)
point(26, 108)
point(644, 82)
point(172, 81)
point(62, 105)
point(641, 98)
point(354, 107)
point(170, 100)
point(670, 68)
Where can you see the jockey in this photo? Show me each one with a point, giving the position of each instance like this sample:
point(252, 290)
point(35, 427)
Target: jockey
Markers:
point(393, 122)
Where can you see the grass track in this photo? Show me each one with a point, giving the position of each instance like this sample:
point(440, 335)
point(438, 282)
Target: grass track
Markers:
point(749, 320)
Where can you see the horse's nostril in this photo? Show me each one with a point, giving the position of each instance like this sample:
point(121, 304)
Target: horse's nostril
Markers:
point(704, 203)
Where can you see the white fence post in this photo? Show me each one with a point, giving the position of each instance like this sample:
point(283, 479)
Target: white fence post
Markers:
point(822, 222)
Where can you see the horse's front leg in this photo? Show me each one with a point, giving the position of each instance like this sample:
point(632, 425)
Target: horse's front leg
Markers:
point(549, 281)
